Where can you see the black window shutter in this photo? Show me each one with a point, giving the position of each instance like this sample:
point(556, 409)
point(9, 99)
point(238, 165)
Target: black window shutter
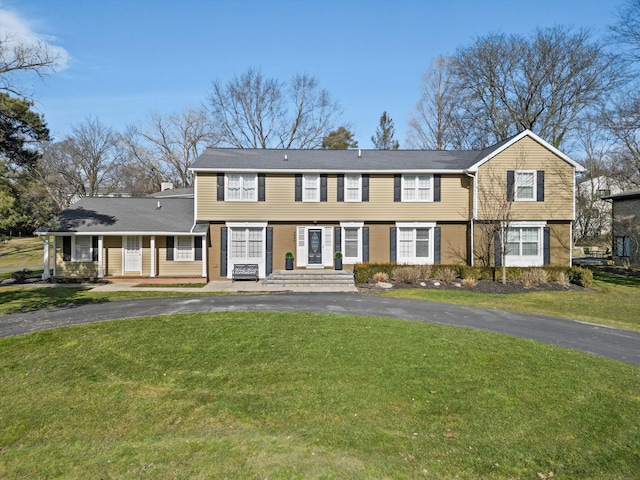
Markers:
point(437, 180)
point(340, 188)
point(498, 248)
point(94, 248)
point(365, 188)
point(436, 245)
point(269, 259)
point(540, 185)
point(337, 246)
point(197, 241)
point(365, 244)
point(393, 240)
point(220, 196)
point(66, 249)
point(261, 187)
point(546, 245)
point(511, 180)
point(397, 179)
point(298, 187)
point(170, 244)
point(223, 252)
point(323, 187)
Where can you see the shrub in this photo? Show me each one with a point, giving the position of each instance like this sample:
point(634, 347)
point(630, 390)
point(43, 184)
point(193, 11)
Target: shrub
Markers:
point(22, 275)
point(562, 278)
point(380, 277)
point(474, 273)
point(408, 275)
point(533, 276)
point(469, 282)
point(446, 275)
point(581, 276)
point(425, 271)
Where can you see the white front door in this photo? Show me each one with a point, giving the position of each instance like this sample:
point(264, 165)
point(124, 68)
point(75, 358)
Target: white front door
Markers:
point(132, 254)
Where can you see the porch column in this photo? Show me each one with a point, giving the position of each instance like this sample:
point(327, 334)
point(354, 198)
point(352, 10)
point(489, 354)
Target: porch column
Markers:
point(152, 252)
point(204, 256)
point(46, 275)
point(100, 256)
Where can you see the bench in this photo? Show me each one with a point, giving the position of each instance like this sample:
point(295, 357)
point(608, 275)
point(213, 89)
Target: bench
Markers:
point(245, 271)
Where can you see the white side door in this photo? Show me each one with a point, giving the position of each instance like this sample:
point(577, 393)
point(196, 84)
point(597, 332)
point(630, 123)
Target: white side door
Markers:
point(132, 254)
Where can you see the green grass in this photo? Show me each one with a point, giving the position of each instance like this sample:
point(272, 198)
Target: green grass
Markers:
point(615, 305)
point(23, 298)
point(171, 285)
point(21, 252)
point(283, 395)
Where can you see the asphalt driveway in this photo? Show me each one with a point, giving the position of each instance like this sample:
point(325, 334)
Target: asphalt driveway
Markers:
point(605, 341)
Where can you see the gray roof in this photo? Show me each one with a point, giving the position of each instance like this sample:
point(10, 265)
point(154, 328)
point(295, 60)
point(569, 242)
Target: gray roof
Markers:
point(124, 215)
point(623, 195)
point(174, 193)
point(229, 159)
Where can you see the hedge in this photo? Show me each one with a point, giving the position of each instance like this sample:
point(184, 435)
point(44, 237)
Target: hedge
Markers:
point(363, 272)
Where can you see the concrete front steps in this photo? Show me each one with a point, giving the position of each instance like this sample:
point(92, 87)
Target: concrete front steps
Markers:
point(321, 279)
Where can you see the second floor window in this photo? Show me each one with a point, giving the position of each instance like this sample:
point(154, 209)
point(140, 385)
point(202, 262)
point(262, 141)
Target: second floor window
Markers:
point(417, 188)
point(525, 185)
point(311, 188)
point(353, 188)
point(242, 187)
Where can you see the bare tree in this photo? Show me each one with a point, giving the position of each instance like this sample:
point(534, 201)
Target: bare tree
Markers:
point(86, 163)
point(436, 122)
point(626, 32)
point(21, 55)
point(252, 111)
point(544, 83)
point(167, 146)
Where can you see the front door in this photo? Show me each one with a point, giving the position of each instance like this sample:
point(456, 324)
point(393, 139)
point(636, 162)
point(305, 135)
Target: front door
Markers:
point(314, 246)
point(133, 254)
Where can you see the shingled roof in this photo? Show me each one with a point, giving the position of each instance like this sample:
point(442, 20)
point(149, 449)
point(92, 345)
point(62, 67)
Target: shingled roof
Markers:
point(124, 216)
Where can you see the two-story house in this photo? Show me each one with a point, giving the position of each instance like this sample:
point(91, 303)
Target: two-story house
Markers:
point(512, 202)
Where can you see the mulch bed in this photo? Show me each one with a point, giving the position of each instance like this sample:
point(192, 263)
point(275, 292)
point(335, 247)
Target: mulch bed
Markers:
point(483, 286)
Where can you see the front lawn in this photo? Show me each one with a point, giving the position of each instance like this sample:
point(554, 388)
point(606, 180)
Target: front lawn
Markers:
point(609, 302)
point(293, 395)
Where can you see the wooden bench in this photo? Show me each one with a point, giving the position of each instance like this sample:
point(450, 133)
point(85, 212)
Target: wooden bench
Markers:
point(245, 271)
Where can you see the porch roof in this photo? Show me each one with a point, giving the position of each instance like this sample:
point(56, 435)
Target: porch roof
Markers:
point(92, 215)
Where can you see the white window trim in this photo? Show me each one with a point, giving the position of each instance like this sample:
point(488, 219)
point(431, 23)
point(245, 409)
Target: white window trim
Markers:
point(359, 195)
point(516, 185)
point(526, 260)
point(262, 263)
point(242, 176)
point(416, 200)
point(416, 260)
point(192, 251)
point(74, 257)
point(358, 258)
point(308, 178)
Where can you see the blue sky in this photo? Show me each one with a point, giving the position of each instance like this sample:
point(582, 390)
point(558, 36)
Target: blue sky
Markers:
point(126, 59)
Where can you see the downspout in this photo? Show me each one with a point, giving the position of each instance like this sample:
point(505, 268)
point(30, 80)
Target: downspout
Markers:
point(474, 212)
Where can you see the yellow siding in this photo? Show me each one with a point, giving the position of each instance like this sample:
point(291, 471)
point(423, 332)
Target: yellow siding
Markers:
point(526, 154)
point(280, 204)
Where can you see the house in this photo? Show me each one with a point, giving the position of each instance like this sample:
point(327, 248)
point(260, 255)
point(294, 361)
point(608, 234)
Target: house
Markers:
point(593, 215)
point(511, 203)
point(625, 227)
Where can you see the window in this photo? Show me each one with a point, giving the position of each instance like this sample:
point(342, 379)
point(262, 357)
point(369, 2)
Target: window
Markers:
point(311, 188)
point(353, 188)
point(246, 243)
point(525, 185)
point(415, 243)
point(417, 188)
point(82, 249)
point(184, 251)
point(523, 242)
point(242, 187)
point(352, 242)
point(623, 246)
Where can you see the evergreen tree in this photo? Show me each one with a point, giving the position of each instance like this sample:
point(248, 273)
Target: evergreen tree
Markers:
point(340, 139)
point(383, 139)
